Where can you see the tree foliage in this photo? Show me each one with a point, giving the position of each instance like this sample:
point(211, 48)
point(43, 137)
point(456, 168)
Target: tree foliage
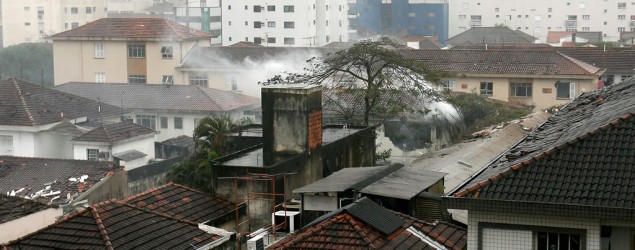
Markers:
point(31, 62)
point(479, 111)
point(377, 66)
point(211, 140)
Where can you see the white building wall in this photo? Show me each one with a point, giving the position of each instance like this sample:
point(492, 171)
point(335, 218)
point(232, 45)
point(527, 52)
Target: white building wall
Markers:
point(35, 20)
point(17, 228)
point(51, 145)
point(23, 143)
point(309, 19)
point(538, 17)
point(144, 145)
point(80, 149)
point(591, 225)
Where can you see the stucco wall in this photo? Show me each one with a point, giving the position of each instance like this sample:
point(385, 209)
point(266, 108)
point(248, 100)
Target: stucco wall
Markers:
point(144, 145)
point(539, 98)
point(49, 145)
point(80, 149)
point(23, 143)
point(509, 241)
point(17, 228)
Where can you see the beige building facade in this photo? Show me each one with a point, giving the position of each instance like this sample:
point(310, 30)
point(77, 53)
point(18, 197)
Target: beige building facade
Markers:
point(86, 55)
point(35, 20)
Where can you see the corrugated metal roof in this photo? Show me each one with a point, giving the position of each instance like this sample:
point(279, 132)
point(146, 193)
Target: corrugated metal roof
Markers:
point(340, 181)
point(404, 183)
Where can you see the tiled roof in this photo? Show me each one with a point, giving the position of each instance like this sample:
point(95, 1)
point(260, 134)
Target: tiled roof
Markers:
point(172, 98)
point(181, 202)
point(360, 225)
point(116, 225)
point(12, 207)
point(114, 132)
point(490, 35)
point(541, 62)
point(132, 28)
point(614, 59)
point(31, 175)
point(26, 104)
point(581, 156)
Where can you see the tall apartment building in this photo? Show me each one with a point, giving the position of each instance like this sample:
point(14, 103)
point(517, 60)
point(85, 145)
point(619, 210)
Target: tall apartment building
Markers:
point(538, 17)
point(306, 23)
point(405, 17)
point(35, 20)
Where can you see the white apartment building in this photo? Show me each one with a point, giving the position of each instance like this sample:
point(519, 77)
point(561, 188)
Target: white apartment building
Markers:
point(538, 17)
point(35, 20)
point(129, 6)
point(308, 23)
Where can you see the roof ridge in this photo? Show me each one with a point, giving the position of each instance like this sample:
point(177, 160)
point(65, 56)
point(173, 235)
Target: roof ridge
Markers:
point(358, 229)
point(200, 88)
point(477, 187)
point(100, 225)
point(303, 234)
point(126, 200)
point(158, 213)
point(585, 66)
point(22, 100)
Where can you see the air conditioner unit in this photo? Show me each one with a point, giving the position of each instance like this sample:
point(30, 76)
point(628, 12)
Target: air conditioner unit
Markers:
point(256, 243)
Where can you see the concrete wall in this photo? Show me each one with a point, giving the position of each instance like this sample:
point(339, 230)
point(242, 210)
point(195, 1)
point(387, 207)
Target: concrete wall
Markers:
point(23, 143)
point(50, 145)
point(507, 237)
point(543, 89)
point(80, 149)
point(22, 226)
point(110, 187)
point(149, 176)
point(143, 144)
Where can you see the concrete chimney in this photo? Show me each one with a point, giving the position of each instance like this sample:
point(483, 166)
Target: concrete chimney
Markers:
point(291, 120)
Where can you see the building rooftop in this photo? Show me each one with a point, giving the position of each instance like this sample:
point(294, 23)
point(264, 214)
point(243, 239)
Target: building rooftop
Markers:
point(173, 97)
point(404, 183)
point(254, 157)
point(346, 179)
point(366, 225)
point(491, 35)
point(580, 156)
point(27, 104)
point(114, 132)
point(12, 207)
point(117, 225)
point(518, 62)
point(51, 180)
point(180, 202)
point(147, 29)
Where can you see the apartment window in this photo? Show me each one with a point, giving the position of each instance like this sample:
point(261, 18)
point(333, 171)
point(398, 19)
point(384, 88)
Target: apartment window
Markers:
point(257, 8)
point(327, 22)
point(229, 7)
point(496, 10)
point(519, 89)
point(549, 9)
point(92, 154)
point(246, 7)
point(289, 25)
point(229, 23)
point(447, 85)
point(288, 8)
point(621, 5)
point(199, 79)
point(178, 122)
point(27, 24)
point(246, 23)
point(586, 29)
point(621, 29)
point(271, 24)
point(586, 17)
point(164, 122)
point(257, 40)
point(136, 50)
point(556, 240)
point(632, 17)
point(271, 8)
point(74, 25)
point(257, 25)
point(166, 52)
point(100, 77)
point(167, 79)
point(100, 50)
point(565, 90)
point(487, 88)
point(27, 8)
point(139, 79)
point(289, 41)
point(89, 10)
point(340, 23)
point(6, 145)
point(74, 10)
point(621, 17)
point(462, 17)
point(149, 121)
point(271, 40)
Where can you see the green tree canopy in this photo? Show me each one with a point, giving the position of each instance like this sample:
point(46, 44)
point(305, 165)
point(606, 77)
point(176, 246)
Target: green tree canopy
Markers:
point(374, 66)
point(31, 62)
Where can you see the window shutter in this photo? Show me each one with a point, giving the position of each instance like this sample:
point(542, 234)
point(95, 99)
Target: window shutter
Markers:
point(572, 94)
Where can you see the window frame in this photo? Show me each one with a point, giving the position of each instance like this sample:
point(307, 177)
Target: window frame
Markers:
point(150, 119)
point(137, 79)
point(163, 122)
point(289, 41)
point(167, 79)
point(167, 52)
point(198, 79)
point(289, 25)
point(515, 86)
point(100, 77)
point(288, 8)
point(92, 152)
point(488, 90)
point(178, 122)
point(136, 50)
point(100, 51)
